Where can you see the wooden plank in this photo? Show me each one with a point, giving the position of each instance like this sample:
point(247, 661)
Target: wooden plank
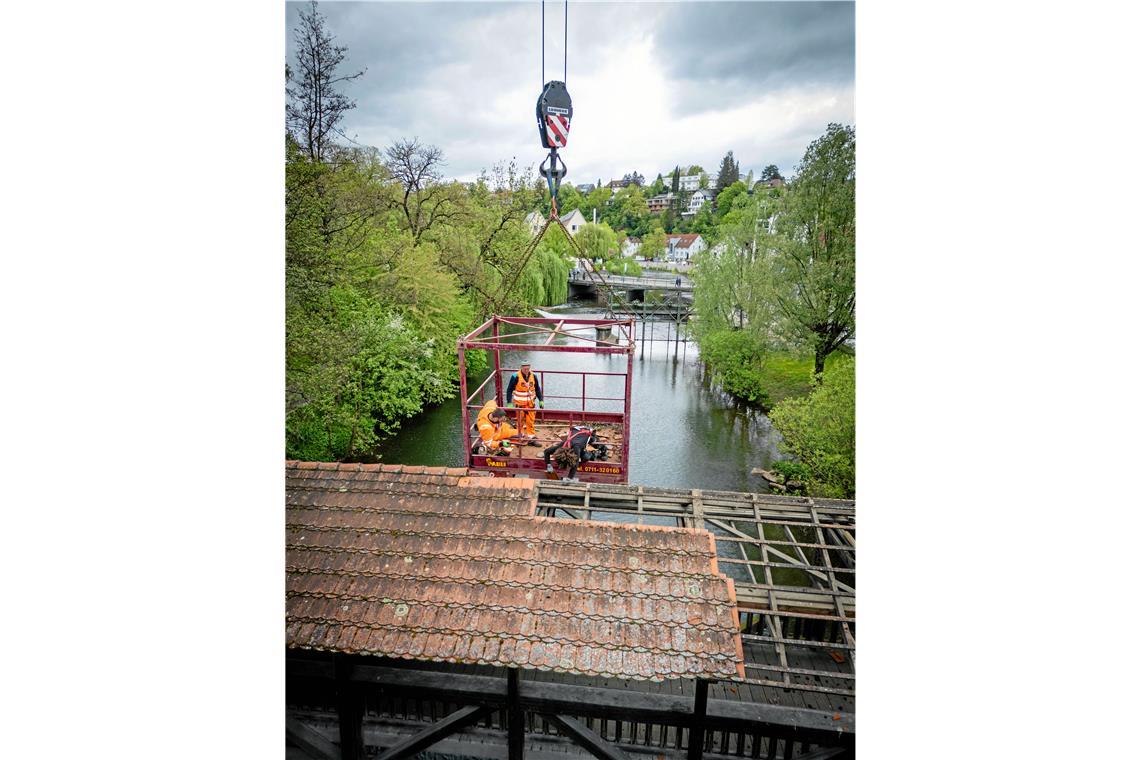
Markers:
point(350, 711)
point(584, 737)
point(515, 728)
point(697, 725)
point(698, 509)
point(457, 721)
point(312, 742)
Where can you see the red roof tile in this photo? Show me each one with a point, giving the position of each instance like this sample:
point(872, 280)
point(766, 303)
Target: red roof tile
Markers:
point(427, 563)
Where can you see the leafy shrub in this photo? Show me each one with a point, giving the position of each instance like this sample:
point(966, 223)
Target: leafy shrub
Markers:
point(819, 431)
point(622, 266)
point(735, 358)
point(790, 470)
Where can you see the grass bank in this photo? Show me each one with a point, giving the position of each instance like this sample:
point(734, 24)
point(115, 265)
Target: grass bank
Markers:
point(750, 374)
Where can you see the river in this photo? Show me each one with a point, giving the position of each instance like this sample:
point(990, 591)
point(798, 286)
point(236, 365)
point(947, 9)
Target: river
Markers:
point(685, 433)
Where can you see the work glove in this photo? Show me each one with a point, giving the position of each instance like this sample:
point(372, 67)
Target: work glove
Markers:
point(541, 405)
point(510, 404)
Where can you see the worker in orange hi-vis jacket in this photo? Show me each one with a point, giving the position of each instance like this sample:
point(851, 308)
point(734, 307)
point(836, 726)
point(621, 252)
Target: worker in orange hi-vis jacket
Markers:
point(523, 392)
point(493, 425)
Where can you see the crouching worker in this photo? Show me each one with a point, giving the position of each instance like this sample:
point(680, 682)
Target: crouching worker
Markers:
point(571, 450)
point(494, 429)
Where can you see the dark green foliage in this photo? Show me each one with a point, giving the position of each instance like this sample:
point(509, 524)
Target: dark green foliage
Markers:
point(735, 359)
point(819, 431)
point(728, 196)
point(729, 172)
point(791, 471)
point(771, 171)
point(703, 222)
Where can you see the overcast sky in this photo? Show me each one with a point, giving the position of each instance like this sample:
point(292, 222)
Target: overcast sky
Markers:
point(653, 84)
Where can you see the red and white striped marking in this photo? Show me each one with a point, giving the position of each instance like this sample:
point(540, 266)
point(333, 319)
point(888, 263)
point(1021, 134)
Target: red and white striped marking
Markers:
point(557, 128)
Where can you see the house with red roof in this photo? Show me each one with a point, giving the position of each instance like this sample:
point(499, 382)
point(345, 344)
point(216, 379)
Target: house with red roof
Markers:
point(683, 247)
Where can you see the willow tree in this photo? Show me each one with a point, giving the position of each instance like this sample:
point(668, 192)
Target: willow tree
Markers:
point(813, 243)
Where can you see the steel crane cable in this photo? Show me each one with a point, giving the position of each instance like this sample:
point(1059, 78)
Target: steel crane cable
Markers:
point(506, 286)
point(593, 273)
point(565, 39)
point(600, 281)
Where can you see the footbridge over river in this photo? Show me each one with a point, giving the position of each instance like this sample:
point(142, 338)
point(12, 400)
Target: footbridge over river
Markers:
point(584, 283)
point(486, 617)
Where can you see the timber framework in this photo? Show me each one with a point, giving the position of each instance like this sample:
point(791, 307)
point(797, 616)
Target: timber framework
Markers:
point(431, 610)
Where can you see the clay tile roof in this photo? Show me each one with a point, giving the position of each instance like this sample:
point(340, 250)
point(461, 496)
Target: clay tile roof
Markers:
point(429, 564)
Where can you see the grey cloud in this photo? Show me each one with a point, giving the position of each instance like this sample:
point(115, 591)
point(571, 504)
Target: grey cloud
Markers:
point(435, 70)
point(757, 47)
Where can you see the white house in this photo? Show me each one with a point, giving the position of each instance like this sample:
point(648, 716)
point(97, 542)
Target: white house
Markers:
point(573, 221)
point(534, 222)
point(698, 199)
point(683, 247)
point(690, 182)
point(630, 246)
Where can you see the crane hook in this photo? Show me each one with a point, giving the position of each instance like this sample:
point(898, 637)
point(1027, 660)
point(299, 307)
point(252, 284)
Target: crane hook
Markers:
point(553, 112)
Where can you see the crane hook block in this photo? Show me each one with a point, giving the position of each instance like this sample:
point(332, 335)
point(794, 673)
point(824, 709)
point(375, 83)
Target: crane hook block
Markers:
point(554, 111)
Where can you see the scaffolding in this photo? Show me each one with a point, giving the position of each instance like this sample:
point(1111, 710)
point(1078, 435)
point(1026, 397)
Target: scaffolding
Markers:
point(792, 560)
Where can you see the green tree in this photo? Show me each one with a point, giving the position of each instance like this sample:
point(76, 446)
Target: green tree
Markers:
point(569, 199)
point(703, 222)
point(597, 200)
point(735, 359)
point(733, 283)
point(694, 169)
point(814, 245)
point(629, 211)
point(726, 198)
point(771, 171)
point(653, 244)
point(819, 431)
point(676, 185)
point(729, 173)
point(622, 265)
point(598, 241)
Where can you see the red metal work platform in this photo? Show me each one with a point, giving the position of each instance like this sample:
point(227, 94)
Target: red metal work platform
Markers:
point(538, 334)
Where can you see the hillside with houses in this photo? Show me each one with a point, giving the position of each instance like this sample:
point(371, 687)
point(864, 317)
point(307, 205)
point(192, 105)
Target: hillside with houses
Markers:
point(667, 221)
